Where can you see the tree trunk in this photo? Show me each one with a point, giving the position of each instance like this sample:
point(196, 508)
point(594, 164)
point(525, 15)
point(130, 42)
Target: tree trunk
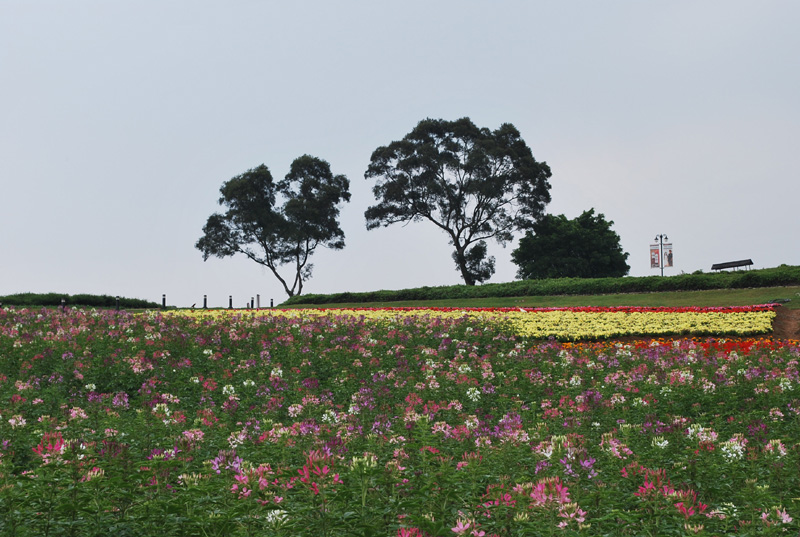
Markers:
point(462, 265)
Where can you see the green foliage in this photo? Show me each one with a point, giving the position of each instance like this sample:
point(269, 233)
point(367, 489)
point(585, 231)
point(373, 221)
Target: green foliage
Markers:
point(273, 235)
point(773, 277)
point(472, 183)
point(54, 299)
point(584, 247)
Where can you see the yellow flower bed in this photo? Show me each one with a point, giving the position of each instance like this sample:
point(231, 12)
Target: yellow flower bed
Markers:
point(607, 324)
point(564, 324)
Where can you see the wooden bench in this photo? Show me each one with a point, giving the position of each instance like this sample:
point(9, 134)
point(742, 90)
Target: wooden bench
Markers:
point(732, 264)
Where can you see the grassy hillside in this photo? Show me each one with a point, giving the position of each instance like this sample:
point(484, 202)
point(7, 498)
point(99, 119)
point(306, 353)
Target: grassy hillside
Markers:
point(737, 287)
point(700, 289)
point(717, 297)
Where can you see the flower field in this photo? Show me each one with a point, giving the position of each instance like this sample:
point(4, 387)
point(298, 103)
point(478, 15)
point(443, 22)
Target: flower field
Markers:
point(398, 423)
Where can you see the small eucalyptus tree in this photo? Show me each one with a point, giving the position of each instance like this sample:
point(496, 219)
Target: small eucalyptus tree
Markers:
point(281, 223)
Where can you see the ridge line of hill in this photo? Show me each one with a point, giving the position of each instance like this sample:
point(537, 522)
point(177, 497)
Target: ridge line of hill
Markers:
point(783, 275)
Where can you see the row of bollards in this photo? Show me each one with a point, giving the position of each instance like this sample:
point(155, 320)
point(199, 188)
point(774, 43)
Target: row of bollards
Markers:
point(255, 302)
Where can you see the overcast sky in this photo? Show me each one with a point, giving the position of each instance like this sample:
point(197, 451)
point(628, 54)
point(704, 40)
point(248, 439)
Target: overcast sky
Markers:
point(120, 120)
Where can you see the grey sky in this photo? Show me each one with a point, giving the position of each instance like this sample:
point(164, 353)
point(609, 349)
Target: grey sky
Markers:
point(119, 121)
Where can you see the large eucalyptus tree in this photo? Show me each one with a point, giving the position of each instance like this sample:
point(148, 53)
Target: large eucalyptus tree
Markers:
point(472, 183)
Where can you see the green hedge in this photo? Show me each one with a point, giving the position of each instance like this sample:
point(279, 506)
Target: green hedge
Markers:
point(772, 277)
point(54, 299)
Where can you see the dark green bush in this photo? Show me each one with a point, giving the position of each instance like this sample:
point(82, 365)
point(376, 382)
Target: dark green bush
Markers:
point(54, 299)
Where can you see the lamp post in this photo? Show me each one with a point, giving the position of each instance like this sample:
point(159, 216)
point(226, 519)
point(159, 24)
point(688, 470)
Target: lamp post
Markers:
point(660, 239)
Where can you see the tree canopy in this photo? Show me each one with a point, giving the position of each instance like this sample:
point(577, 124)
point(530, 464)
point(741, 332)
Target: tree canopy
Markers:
point(274, 234)
point(472, 183)
point(584, 247)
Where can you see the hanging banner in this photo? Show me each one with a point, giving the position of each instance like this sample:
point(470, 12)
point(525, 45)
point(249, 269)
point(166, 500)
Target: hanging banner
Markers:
point(654, 255)
point(667, 255)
